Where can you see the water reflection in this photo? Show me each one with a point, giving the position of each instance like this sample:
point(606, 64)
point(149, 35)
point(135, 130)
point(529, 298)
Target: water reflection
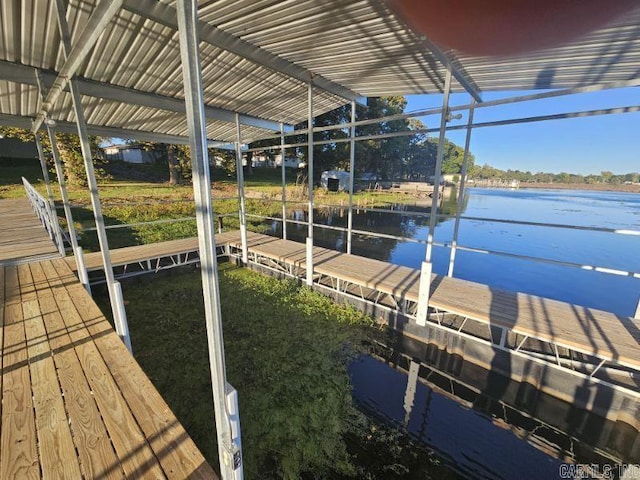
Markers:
point(481, 433)
point(407, 220)
point(618, 294)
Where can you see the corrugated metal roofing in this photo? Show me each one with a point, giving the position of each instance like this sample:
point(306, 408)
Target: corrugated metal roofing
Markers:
point(361, 45)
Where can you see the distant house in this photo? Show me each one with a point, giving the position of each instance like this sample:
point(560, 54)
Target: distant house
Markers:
point(289, 162)
point(132, 154)
point(274, 161)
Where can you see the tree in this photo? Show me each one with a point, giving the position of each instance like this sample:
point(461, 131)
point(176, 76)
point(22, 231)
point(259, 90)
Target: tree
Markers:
point(178, 158)
point(70, 153)
point(606, 176)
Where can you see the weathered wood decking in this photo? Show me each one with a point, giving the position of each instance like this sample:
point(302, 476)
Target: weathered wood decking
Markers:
point(22, 236)
point(584, 329)
point(74, 401)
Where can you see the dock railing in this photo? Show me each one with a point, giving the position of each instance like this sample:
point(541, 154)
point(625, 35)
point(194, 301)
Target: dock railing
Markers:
point(445, 244)
point(47, 215)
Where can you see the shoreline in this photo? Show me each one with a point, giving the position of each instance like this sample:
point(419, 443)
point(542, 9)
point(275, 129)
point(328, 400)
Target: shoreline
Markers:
point(583, 186)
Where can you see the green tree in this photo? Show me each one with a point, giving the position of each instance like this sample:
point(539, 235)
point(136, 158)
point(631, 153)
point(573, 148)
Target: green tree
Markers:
point(70, 153)
point(606, 176)
point(177, 158)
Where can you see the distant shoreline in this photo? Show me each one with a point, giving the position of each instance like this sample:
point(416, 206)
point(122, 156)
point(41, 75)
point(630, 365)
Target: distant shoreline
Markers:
point(584, 186)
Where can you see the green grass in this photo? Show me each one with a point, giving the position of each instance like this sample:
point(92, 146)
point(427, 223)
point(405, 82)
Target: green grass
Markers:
point(287, 349)
point(286, 355)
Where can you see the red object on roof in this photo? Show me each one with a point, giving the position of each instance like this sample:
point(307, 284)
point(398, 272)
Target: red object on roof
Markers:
point(507, 27)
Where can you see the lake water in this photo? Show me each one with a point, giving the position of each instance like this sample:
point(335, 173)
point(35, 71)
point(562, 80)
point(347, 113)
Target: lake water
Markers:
point(478, 436)
point(615, 293)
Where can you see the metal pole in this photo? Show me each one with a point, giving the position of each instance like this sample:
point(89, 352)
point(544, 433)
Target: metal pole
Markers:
point(73, 238)
point(463, 180)
point(352, 173)
point(228, 444)
point(77, 250)
point(283, 151)
point(52, 204)
point(115, 294)
point(427, 267)
point(310, 169)
point(241, 201)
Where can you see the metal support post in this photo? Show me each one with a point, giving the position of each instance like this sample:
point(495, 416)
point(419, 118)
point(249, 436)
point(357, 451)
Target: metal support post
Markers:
point(283, 152)
point(229, 450)
point(426, 270)
point(352, 173)
point(461, 192)
point(310, 169)
point(242, 213)
point(57, 231)
point(73, 238)
point(115, 293)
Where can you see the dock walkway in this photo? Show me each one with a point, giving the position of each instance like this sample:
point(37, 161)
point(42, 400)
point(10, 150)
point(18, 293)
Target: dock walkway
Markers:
point(519, 317)
point(75, 404)
point(22, 236)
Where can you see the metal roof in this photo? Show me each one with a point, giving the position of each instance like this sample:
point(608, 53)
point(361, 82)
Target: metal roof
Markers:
point(258, 55)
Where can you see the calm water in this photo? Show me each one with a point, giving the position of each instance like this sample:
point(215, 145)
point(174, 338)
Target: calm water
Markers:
point(618, 294)
point(477, 435)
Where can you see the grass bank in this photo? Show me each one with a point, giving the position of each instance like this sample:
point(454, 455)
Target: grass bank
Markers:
point(287, 349)
point(127, 199)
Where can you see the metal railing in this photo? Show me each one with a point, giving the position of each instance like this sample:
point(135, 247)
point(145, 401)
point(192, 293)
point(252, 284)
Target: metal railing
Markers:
point(47, 215)
point(564, 263)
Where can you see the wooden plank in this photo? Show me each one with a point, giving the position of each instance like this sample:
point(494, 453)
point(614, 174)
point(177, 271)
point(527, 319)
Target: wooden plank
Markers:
point(22, 234)
point(130, 444)
point(578, 327)
point(178, 455)
point(57, 453)
point(96, 454)
point(19, 457)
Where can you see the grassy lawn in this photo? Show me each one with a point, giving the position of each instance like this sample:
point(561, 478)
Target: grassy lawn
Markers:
point(127, 199)
point(287, 349)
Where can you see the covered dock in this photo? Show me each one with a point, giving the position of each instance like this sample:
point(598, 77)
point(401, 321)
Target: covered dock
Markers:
point(230, 73)
point(75, 403)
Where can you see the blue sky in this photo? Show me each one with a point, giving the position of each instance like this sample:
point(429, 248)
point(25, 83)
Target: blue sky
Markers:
point(580, 145)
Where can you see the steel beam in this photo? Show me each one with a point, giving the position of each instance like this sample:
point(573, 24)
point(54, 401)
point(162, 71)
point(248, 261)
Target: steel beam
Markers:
point(228, 444)
point(98, 21)
point(461, 192)
point(166, 15)
point(352, 174)
point(242, 212)
point(23, 74)
point(309, 256)
point(115, 294)
point(461, 77)
point(73, 239)
point(424, 291)
point(283, 154)
point(52, 204)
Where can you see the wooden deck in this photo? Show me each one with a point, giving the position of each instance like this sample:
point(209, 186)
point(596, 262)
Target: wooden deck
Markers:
point(22, 236)
point(583, 329)
point(74, 401)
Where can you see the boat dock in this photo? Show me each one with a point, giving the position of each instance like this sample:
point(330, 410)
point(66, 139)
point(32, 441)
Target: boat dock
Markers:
point(75, 403)
point(22, 236)
point(572, 338)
